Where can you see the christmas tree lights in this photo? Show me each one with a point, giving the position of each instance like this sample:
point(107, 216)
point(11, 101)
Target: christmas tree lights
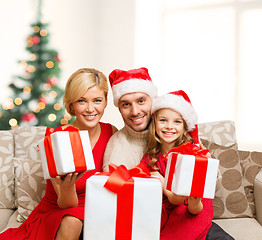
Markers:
point(37, 98)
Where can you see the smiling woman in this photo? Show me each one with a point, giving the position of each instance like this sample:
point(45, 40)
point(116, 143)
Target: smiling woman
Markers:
point(60, 214)
point(89, 108)
point(86, 98)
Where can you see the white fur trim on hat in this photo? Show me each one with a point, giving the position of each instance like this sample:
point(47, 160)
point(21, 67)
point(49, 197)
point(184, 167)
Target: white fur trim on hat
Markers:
point(178, 104)
point(132, 86)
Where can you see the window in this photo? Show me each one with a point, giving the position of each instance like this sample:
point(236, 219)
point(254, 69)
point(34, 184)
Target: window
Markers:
point(212, 49)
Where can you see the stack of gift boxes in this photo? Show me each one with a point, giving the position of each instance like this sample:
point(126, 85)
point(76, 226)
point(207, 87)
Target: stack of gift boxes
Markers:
point(124, 204)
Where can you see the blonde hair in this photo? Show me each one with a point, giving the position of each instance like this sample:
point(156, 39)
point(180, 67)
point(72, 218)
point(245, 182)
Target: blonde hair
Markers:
point(79, 82)
point(154, 141)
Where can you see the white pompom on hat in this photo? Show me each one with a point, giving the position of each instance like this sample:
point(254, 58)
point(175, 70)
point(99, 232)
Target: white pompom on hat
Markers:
point(179, 102)
point(131, 81)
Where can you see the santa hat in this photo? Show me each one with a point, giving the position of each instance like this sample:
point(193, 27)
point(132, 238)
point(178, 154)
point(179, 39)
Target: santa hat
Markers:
point(179, 102)
point(131, 81)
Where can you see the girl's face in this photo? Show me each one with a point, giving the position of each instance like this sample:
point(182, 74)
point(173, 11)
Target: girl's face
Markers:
point(89, 108)
point(169, 125)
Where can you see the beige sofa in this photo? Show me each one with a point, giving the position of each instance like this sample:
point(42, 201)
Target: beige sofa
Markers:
point(237, 205)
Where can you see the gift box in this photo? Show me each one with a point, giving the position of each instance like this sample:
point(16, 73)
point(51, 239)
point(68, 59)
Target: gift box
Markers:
point(191, 175)
point(130, 210)
point(65, 152)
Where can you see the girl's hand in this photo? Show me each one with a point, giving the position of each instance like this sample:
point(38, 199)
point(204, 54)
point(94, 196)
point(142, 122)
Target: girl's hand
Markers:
point(173, 198)
point(195, 205)
point(202, 147)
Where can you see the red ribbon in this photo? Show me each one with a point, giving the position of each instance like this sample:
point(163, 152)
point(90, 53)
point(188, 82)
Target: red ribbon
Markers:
point(49, 153)
point(121, 182)
point(76, 145)
point(200, 169)
point(188, 148)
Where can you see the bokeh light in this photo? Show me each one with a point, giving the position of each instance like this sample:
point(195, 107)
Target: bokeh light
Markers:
point(49, 64)
point(57, 106)
point(12, 122)
point(18, 101)
point(52, 117)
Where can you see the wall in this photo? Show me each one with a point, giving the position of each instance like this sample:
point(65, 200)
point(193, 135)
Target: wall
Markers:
point(91, 33)
point(109, 34)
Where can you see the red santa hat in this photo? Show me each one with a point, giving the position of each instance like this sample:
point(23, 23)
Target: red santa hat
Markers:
point(131, 81)
point(179, 102)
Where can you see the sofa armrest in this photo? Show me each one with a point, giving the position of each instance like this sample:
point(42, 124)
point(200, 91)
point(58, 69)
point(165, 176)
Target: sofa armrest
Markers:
point(258, 196)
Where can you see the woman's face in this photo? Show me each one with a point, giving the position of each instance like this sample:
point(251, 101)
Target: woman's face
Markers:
point(89, 108)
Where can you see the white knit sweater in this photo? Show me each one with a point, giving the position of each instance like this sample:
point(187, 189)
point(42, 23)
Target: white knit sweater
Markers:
point(126, 147)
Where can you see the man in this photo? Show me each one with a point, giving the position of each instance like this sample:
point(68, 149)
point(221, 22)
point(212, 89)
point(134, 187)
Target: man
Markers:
point(133, 92)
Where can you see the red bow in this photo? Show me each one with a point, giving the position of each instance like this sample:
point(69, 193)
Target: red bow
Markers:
point(189, 149)
point(121, 182)
point(119, 176)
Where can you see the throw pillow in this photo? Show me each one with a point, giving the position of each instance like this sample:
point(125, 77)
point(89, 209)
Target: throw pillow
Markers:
point(30, 186)
point(25, 137)
point(251, 163)
point(221, 132)
point(230, 199)
point(7, 176)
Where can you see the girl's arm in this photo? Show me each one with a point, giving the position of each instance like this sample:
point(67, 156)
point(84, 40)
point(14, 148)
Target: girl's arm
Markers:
point(172, 197)
point(195, 205)
point(65, 190)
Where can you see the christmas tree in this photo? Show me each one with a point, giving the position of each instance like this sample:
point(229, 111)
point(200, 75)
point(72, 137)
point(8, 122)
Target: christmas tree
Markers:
point(37, 98)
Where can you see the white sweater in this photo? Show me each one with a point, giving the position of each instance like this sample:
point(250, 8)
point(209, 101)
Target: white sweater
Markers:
point(125, 147)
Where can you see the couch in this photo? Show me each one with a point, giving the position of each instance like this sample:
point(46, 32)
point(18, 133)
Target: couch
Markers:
point(237, 203)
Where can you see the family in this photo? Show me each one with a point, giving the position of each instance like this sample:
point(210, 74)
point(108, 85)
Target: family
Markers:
point(153, 125)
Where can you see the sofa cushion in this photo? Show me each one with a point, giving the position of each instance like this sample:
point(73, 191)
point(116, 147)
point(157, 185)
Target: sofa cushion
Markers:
point(251, 163)
point(241, 228)
point(7, 198)
point(25, 137)
point(221, 132)
point(5, 215)
point(12, 222)
point(230, 199)
point(30, 184)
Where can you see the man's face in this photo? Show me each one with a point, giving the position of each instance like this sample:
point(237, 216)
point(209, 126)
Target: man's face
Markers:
point(135, 109)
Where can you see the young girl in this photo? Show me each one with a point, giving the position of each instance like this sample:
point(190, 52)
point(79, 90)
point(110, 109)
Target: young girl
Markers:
point(174, 122)
point(60, 213)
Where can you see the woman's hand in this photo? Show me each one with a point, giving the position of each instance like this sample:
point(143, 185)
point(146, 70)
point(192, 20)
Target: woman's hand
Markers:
point(195, 205)
point(66, 190)
point(69, 179)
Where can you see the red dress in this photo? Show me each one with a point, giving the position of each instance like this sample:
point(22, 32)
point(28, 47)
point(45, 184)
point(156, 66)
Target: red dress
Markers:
point(177, 223)
point(43, 222)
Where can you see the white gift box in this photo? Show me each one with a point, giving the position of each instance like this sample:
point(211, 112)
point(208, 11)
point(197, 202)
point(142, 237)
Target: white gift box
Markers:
point(101, 210)
point(184, 174)
point(63, 153)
